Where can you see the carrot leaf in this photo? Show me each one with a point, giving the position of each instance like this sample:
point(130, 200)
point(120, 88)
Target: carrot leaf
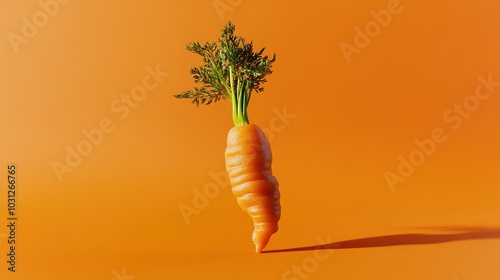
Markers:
point(232, 70)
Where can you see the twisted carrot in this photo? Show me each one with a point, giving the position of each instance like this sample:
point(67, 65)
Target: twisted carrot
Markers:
point(248, 163)
point(233, 70)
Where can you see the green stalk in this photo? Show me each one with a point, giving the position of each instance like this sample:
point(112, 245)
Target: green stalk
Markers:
point(239, 99)
point(234, 102)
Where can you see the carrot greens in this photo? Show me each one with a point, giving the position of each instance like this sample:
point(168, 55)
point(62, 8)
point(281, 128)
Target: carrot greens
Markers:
point(231, 70)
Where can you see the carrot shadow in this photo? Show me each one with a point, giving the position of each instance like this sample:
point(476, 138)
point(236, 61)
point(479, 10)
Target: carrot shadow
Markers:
point(402, 239)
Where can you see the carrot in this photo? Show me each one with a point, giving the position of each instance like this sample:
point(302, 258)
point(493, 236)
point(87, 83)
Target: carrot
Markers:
point(232, 70)
point(248, 162)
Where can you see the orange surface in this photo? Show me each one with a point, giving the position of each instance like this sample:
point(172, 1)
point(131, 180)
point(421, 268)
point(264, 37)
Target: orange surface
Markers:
point(342, 110)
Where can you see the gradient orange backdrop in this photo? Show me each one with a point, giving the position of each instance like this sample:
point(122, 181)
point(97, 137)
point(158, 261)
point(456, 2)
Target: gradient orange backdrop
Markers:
point(351, 117)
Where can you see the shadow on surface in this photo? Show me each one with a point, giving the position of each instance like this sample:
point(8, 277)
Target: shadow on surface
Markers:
point(401, 239)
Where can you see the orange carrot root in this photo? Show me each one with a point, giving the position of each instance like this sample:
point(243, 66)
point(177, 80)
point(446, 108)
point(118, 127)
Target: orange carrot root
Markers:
point(248, 163)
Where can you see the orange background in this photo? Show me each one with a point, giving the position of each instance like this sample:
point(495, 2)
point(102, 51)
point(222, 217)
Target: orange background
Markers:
point(116, 215)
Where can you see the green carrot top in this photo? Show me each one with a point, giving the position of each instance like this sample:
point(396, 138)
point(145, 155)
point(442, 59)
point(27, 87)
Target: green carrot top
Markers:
point(232, 70)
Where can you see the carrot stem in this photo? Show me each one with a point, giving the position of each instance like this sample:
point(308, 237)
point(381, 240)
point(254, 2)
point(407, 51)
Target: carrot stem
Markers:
point(240, 96)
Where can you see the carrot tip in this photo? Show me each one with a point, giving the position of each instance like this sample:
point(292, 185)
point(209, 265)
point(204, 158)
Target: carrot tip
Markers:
point(258, 248)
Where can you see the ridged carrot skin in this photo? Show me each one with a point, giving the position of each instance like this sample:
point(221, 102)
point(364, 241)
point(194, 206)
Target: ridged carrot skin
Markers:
point(248, 163)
